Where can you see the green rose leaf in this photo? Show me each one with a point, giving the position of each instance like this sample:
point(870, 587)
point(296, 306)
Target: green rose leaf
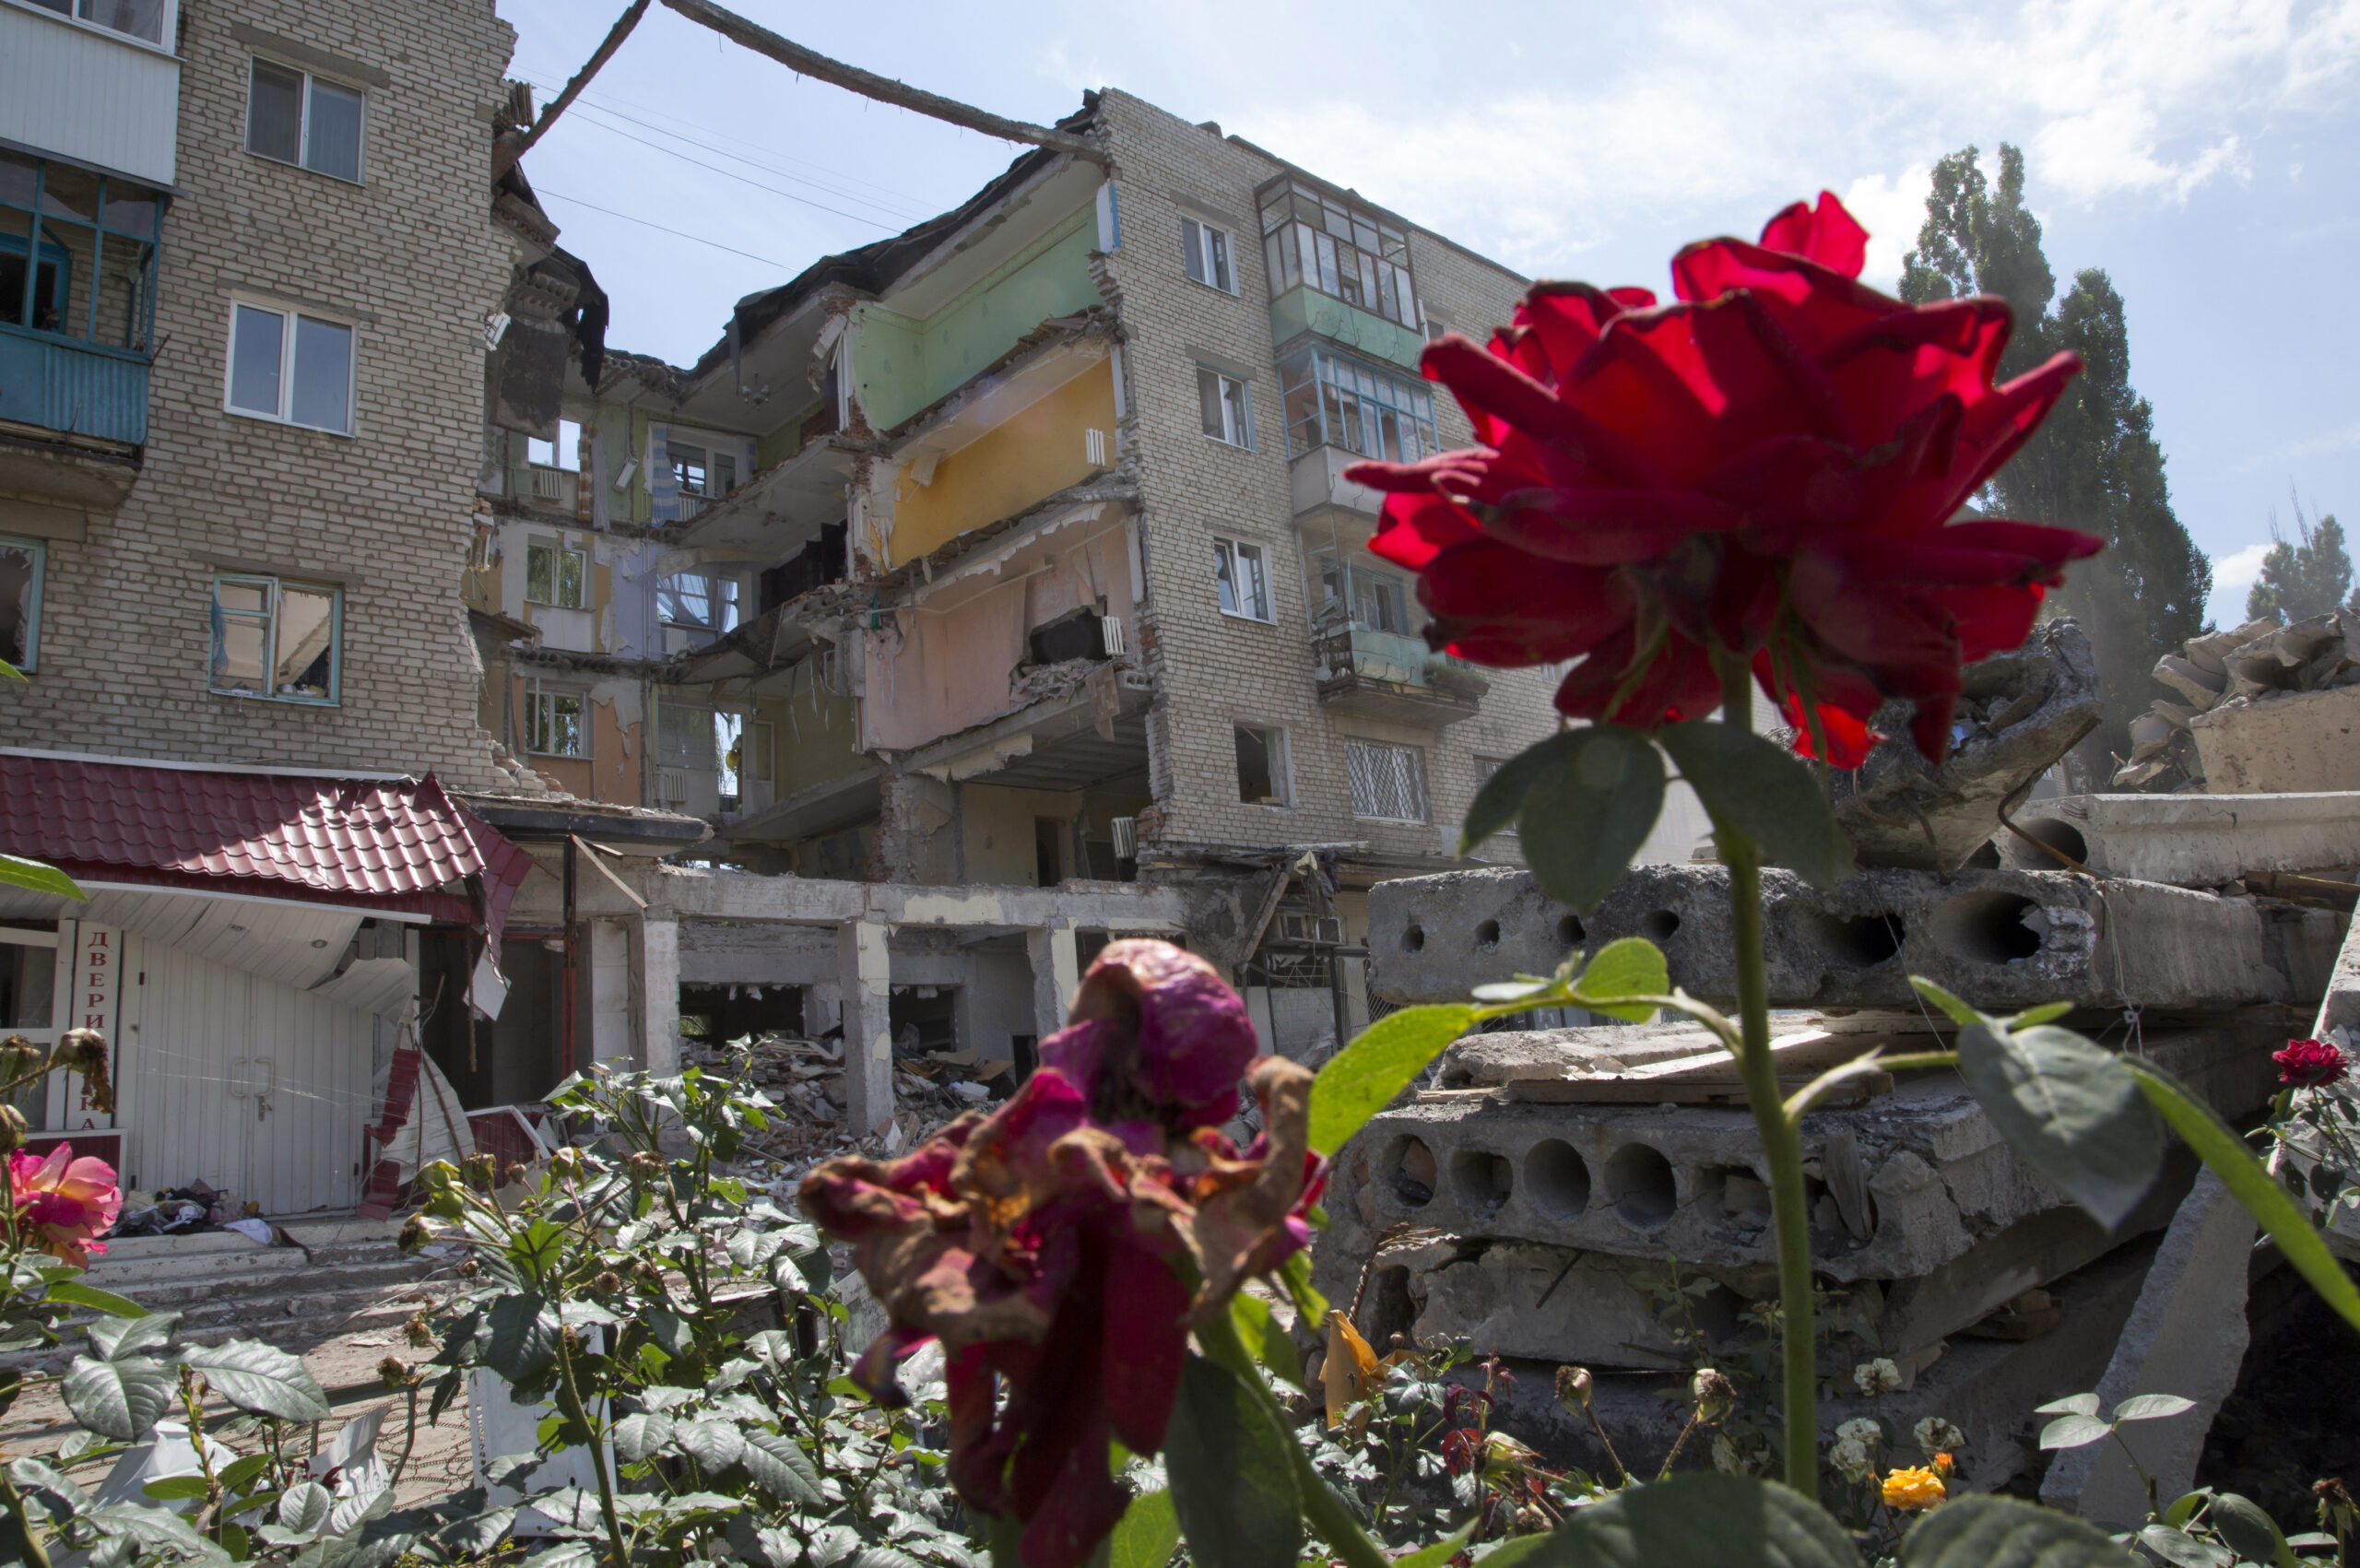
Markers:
point(1767, 793)
point(118, 1399)
point(2152, 1407)
point(1442, 1551)
point(638, 1436)
point(261, 1379)
point(1362, 1079)
point(2072, 1405)
point(2181, 1549)
point(114, 1337)
point(1233, 1475)
point(1148, 1534)
point(714, 1444)
point(2252, 1185)
point(2073, 1432)
point(1502, 796)
point(1587, 815)
point(780, 1467)
point(1999, 1532)
point(34, 877)
point(303, 1507)
point(1699, 1519)
point(523, 1339)
point(75, 1294)
point(1258, 1326)
point(1631, 966)
point(2248, 1529)
point(2072, 1111)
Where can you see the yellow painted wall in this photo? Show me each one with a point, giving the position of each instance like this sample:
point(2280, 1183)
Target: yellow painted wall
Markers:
point(1036, 453)
point(999, 824)
point(812, 741)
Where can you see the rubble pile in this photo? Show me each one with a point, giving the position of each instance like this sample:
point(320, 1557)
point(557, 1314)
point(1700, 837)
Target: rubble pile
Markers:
point(2221, 677)
point(807, 1079)
point(1556, 1178)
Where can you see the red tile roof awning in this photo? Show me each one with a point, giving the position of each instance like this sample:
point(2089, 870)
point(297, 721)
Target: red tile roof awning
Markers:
point(397, 845)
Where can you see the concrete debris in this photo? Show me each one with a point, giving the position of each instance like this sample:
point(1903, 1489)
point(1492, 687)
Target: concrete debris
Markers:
point(807, 1079)
point(2004, 939)
point(2190, 841)
point(2256, 713)
point(2186, 1336)
point(2019, 713)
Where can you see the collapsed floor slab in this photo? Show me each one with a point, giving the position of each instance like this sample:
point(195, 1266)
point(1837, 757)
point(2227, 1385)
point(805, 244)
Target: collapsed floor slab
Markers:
point(1527, 1223)
point(2005, 939)
point(2190, 839)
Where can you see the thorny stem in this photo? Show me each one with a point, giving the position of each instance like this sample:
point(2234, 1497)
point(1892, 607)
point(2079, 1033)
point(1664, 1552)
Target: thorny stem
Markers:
point(36, 1552)
point(1695, 1420)
point(580, 1417)
point(1608, 1443)
point(1320, 1505)
point(1781, 1134)
point(409, 1437)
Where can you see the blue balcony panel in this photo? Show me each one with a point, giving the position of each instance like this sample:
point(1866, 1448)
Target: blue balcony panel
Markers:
point(74, 388)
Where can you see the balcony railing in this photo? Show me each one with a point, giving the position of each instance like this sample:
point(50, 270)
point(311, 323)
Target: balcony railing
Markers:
point(1385, 675)
point(73, 387)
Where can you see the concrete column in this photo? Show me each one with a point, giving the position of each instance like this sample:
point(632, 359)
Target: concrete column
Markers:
point(1056, 971)
point(655, 990)
point(865, 983)
point(608, 959)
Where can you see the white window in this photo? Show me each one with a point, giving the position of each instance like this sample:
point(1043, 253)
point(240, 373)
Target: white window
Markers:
point(22, 563)
point(553, 575)
point(291, 367)
point(564, 453)
point(1205, 249)
point(1262, 765)
point(294, 117)
point(1388, 782)
point(138, 18)
point(1484, 768)
point(555, 722)
point(276, 639)
point(690, 599)
point(1227, 405)
point(699, 470)
point(1242, 573)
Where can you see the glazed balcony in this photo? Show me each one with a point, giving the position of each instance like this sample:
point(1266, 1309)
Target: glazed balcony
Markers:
point(1387, 675)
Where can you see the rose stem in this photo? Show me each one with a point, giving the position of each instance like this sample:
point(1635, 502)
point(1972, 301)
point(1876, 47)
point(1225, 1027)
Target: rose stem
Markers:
point(1782, 1143)
point(1326, 1511)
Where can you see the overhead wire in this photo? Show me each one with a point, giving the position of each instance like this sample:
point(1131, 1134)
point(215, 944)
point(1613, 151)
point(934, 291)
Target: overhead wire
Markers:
point(731, 174)
point(647, 223)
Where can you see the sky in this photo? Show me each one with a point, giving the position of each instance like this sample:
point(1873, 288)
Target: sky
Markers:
point(2201, 151)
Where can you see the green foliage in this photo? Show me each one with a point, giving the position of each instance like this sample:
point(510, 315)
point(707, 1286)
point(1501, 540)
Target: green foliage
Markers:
point(1362, 1079)
point(1765, 792)
point(1587, 808)
point(32, 876)
point(1999, 1532)
point(2309, 574)
point(1701, 1520)
point(1233, 1479)
point(1148, 1536)
point(2095, 464)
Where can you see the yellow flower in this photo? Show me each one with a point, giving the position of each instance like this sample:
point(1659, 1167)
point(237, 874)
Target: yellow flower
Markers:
point(1913, 1489)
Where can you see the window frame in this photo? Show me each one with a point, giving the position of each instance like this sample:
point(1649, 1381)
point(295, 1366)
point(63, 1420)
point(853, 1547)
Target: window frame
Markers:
point(1357, 399)
point(559, 548)
point(39, 548)
point(536, 695)
point(1243, 405)
point(1294, 213)
point(1417, 769)
point(42, 212)
point(274, 618)
point(1207, 250)
point(1354, 579)
point(1485, 768)
point(565, 456)
point(1276, 756)
point(289, 317)
point(1230, 554)
point(303, 121)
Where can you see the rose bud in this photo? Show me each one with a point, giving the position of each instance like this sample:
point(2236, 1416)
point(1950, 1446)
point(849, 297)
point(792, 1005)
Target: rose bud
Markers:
point(1575, 1386)
point(19, 1057)
point(413, 1234)
point(392, 1372)
point(12, 1128)
point(481, 1169)
point(416, 1331)
point(84, 1052)
point(1713, 1391)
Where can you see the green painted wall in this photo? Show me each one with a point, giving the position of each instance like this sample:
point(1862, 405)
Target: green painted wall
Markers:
point(901, 364)
point(1303, 309)
point(784, 440)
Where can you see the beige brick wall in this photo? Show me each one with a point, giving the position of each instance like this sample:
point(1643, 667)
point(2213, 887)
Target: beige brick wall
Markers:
point(412, 257)
point(1218, 670)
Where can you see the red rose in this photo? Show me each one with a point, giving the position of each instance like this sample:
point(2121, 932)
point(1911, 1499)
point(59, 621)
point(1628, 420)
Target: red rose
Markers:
point(1769, 467)
point(1062, 1245)
point(2310, 1063)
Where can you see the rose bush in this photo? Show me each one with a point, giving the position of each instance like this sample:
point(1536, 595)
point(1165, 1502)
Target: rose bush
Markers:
point(1063, 1246)
point(1769, 467)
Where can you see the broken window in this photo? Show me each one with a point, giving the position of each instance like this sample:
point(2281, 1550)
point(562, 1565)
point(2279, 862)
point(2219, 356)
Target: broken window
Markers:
point(564, 453)
point(555, 722)
point(291, 367)
point(1388, 782)
point(1227, 406)
point(77, 254)
point(295, 117)
point(1376, 601)
point(691, 598)
point(1317, 241)
point(273, 638)
point(1261, 765)
point(553, 576)
point(728, 732)
point(1334, 401)
point(21, 564)
point(1242, 575)
point(684, 736)
point(1204, 251)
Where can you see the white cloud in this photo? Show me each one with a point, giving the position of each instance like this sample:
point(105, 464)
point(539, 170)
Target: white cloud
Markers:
point(1891, 209)
point(2239, 569)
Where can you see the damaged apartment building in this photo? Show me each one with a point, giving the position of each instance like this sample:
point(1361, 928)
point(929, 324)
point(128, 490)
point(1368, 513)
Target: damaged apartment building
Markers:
point(1006, 568)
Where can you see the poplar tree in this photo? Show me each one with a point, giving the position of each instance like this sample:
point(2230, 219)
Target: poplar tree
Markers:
point(2309, 574)
point(2094, 464)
